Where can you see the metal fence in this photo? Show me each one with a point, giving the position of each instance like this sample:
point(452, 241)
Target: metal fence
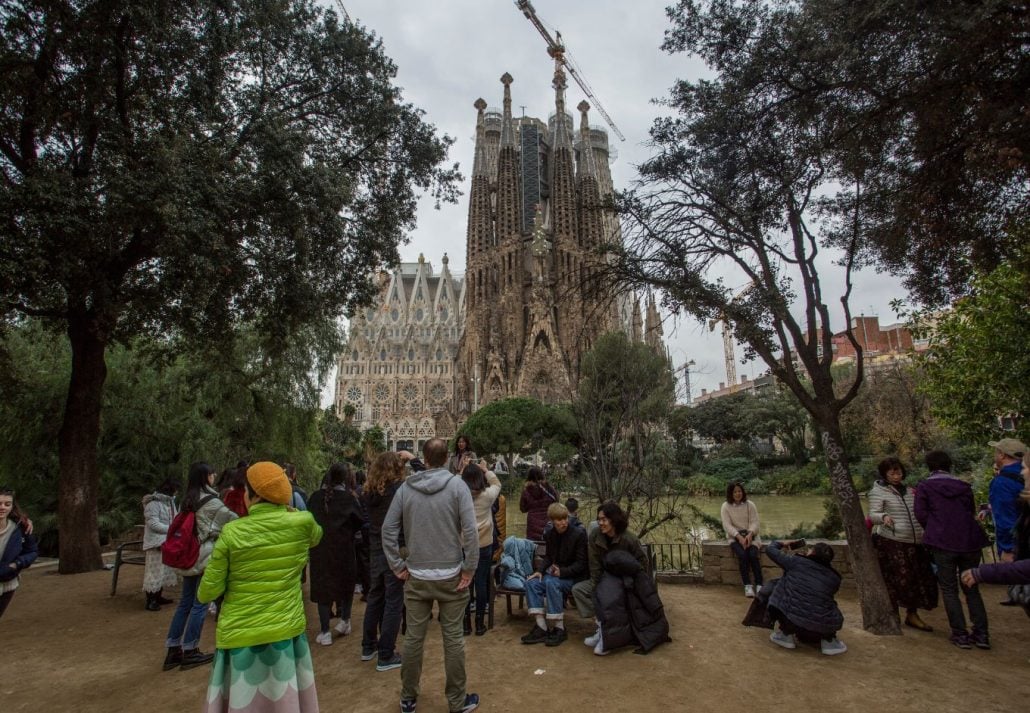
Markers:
point(676, 557)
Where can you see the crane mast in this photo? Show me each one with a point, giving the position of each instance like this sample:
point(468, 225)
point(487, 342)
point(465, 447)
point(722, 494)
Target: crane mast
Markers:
point(556, 49)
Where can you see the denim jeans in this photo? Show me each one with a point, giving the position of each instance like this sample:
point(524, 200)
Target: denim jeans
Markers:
point(480, 591)
point(746, 559)
point(188, 619)
point(383, 611)
point(550, 591)
point(949, 565)
point(419, 596)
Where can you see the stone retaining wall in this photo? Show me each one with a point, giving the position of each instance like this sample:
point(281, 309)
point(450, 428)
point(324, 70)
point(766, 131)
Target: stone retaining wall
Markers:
point(720, 566)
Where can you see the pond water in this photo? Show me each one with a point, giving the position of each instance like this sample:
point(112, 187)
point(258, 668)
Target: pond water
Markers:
point(779, 515)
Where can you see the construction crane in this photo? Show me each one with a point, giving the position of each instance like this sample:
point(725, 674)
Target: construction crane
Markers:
point(556, 49)
point(727, 339)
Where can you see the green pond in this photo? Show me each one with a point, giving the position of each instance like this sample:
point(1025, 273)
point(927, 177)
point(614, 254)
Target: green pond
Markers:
point(779, 514)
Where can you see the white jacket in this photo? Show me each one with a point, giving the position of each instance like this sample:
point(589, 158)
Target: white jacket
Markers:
point(158, 512)
point(886, 500)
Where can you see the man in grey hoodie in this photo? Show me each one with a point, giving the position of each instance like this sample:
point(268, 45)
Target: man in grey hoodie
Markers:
point(434, 511)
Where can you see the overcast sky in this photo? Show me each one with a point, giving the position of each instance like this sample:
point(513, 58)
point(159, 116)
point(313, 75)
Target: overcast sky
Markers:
point(450, 52)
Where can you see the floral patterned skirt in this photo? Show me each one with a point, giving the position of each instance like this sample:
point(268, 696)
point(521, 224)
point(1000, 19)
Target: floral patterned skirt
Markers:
point(155, 575)
point(270, 678)
point(906, 569)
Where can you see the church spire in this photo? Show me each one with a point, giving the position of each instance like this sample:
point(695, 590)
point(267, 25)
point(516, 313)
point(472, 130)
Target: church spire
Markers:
point(479, 165)
point(507, 129)
point(563, 138)
point(588, 162)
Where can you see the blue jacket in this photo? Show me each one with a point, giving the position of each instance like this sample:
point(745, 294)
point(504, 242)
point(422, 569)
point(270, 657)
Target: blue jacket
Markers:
point(1004, 497)
point(21, 550)
point(805, 593)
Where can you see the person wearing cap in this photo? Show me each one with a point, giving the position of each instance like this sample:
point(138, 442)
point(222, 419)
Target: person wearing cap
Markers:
point(263, 661)
point(1003, 494)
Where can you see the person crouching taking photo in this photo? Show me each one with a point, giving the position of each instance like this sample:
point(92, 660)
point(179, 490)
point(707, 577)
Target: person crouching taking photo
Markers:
point(802, 601)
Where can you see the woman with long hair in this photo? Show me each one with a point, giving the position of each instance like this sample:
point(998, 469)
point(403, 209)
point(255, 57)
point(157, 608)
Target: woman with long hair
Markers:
point(211, 515)
point(740, 521)
point(159, 510)
point(485, 487)
point(336, 510)
point(537, 496)
point(263, 661)
point(898, 539)
point(462, 456)
point(18, 548)
point(386, 592)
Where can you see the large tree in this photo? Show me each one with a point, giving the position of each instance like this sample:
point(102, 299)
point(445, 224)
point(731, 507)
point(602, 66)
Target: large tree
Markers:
point(927, 100)
point(734, 211)
point(188, 168)
point(519, 426)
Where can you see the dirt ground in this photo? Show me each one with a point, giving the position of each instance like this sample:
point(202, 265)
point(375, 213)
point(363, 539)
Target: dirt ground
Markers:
point(68, 646)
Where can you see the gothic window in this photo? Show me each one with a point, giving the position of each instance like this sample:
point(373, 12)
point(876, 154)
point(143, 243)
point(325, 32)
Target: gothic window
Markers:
point(354, 356)
point(354, 395)
point(382, 393)
point(425, 429)
point(369, 315)
point(443, 313)
point(438, 392)
point(382, 355)
point(395, 314)
point(411, 355)
point(409, 393)
point(376, 413)
point(419, 314)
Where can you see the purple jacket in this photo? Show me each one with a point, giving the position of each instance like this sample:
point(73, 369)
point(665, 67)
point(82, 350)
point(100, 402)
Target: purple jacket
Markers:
point(946, 510)
point(1004, 572)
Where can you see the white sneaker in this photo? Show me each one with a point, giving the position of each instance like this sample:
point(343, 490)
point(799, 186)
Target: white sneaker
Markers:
point(325, 638)
point(212, 609)
point(592, 640)
point(342, 627)
point(833, 647)
point(749, 590)
point(787, 641)
point(599, 646)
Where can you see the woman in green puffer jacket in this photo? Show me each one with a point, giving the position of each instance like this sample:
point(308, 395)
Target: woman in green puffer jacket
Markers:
point(263, 662)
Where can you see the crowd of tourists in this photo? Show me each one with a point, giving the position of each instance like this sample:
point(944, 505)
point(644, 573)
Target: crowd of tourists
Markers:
point(419, 536)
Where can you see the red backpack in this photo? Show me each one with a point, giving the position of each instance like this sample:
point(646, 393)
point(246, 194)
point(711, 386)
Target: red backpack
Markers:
point(182, 548)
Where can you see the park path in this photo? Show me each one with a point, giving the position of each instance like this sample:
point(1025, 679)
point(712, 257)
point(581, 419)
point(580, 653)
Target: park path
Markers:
point(70, 647)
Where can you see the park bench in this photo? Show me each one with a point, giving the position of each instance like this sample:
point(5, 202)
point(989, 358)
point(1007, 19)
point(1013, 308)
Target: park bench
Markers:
point(130, 552)
point(538, 559)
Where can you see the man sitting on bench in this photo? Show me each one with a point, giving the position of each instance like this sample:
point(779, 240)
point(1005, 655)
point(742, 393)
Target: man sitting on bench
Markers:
point(565, 563)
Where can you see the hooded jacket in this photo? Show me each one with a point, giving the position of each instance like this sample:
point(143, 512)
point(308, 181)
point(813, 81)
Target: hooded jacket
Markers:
point(158, 512)
point(516, 562)
point(1003, 494)
point(256, 564)
point(434, 510)
point(628, 606)
point(805, 592)
point(945, 508)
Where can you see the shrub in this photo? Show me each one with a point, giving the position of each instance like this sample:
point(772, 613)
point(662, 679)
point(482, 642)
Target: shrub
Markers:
point(730, 469)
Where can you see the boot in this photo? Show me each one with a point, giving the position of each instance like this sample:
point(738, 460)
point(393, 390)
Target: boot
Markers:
point(466, 626)
point(152, 603)
point(480, 625)
point(161, 599)
point(194, 658)
point(913, 620)
point(172, 659)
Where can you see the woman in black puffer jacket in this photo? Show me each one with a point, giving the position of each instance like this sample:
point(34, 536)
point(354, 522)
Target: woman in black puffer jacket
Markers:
point(802, 601)
point(628, 606)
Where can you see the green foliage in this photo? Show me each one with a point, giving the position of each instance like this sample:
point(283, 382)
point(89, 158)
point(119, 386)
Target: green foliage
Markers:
point(521, 426)
point(976, 368)
point(158, 417)
point(730, 469)
point(831, 527)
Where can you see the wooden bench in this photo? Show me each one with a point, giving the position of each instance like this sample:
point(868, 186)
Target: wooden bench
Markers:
point(538, 560)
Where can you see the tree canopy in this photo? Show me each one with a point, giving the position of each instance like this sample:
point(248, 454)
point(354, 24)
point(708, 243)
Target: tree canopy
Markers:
point(519, 426)
point(924, 101)
point(190, 169)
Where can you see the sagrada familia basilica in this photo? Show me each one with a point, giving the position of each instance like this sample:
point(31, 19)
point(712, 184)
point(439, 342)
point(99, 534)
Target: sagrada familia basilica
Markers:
point(532, 299)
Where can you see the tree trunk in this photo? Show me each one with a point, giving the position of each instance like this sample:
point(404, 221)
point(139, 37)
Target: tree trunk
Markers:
point(878, 616)
point(79, 548)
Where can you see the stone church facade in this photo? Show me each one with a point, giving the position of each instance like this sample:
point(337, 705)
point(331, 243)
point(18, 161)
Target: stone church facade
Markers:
point(531, 301)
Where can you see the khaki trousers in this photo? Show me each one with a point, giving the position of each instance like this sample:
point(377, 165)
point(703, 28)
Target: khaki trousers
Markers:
point(419, 595)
